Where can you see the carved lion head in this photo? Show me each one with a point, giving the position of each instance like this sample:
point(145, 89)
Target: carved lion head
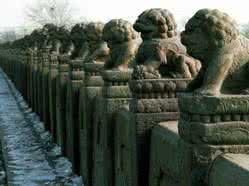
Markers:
point(207, 31)
point(94, 33)
point(156, 23)
point(118, 31)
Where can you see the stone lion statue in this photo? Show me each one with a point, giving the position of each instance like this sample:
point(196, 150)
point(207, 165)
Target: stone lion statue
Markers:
point(213, 37)
point(78, 37)
point(161, 54)
point(98, 49)
point(123, 42)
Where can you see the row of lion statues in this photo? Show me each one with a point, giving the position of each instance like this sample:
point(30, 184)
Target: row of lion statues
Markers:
point(210, 50)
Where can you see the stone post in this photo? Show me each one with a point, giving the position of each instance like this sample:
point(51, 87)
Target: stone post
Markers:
point(45, 95)
point(116, 95)
point(72, 112)
point(34, 77)
point(23, 75)
point(29, 64)
point(39, 84)
point(214, 125)
point(154, 101)
point(61, 83)
point(90, 90)
point(52, 76)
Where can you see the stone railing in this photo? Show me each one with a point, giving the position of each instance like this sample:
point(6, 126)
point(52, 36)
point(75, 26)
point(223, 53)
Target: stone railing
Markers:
point(119, 131)
point(122, 125)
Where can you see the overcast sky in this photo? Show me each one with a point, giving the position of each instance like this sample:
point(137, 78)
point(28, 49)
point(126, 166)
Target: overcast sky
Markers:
point(12, 12)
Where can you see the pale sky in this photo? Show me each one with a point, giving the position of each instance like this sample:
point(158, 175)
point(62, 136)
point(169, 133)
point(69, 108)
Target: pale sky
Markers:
point(12, 12)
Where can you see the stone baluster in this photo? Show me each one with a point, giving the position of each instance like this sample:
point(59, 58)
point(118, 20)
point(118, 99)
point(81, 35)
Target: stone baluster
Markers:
point(116, 95)
point(52, 76)
point(76, 76)
point(61, 82)
point(90, 90)
point(44, 90)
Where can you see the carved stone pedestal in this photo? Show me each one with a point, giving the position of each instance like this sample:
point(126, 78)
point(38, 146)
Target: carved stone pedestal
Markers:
point(213, 125)
point(72, 113)
point(61, 83)
point(154, 101)
point(116, 95)
point(90, 90)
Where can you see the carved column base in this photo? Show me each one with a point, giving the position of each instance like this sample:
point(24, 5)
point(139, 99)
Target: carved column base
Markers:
point(213, 125)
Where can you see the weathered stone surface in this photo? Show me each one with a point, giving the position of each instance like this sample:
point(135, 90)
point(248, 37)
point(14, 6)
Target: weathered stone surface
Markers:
point(214, 105)
point(161, 54)
point(152, 88)
point(52, 75)
point(225, 65)
point(229, 169)
point(39, 85)
point(44, 89)
point(215, 133)
point(72, 112)
point(214, 120)
point(72, 123)
point(154, 105)
point(118, 86)
point(125, 148)
point(123, 42)
point(171, 157)
point(61, 83)
point(90, 90)
point(98, 50)
point(103, 135)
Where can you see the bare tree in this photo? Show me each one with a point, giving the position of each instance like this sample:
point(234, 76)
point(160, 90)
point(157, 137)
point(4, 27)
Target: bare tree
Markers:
point(57, 12)
point(7, 36)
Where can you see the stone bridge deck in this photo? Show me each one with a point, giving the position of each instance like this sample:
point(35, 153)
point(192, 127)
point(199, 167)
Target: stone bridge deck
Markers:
point(30, 158)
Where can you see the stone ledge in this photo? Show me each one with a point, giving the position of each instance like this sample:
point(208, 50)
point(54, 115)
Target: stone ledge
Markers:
point(171, 157)
point(230, 169)
point(211, 105)
point(154, 105)
point(222, 133)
